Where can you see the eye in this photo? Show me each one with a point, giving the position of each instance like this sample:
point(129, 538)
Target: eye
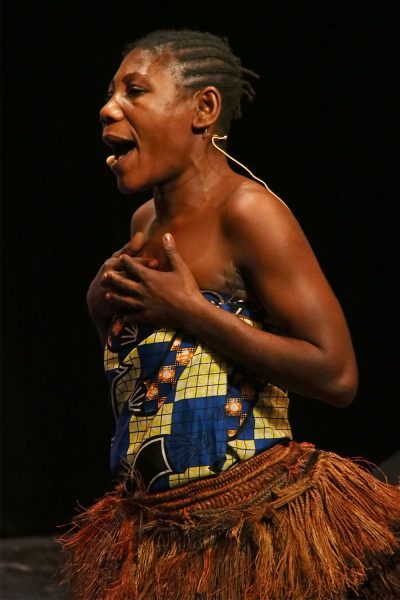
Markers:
point(134, 90)
point(109, 95)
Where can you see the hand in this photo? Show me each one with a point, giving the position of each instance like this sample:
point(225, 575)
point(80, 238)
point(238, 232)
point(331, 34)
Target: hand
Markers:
point(160, 298)
point(100, 306)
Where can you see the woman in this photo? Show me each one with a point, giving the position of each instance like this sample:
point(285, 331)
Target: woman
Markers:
point(214, 308)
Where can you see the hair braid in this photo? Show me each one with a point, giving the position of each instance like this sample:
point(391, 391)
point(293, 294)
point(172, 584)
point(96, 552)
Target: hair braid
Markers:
point(205, 59)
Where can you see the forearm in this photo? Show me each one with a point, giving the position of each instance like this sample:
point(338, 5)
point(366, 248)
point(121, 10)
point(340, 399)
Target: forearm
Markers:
point(289, 363)
point(316, 361)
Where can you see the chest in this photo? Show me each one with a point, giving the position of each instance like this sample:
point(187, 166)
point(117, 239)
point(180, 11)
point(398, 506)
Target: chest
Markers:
point(204, 249)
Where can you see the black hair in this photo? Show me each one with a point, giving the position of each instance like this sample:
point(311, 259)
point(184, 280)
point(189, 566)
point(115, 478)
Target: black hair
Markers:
point(205, 59)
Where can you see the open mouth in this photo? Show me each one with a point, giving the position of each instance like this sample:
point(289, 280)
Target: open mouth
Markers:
point(120, 147)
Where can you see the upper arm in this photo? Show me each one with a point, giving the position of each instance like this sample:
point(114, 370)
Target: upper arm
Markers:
point(272, 252)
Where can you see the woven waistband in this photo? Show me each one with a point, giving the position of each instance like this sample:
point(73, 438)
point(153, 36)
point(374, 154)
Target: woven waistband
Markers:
point(248, 483)
point(292, 522)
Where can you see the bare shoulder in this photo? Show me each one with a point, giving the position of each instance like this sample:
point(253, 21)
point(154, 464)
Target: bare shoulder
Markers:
point(143, 216)
point(251, 208)
point(263, 233)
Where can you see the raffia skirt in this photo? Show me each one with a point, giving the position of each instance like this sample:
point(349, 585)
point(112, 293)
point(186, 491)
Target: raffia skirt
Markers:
point(292, 523)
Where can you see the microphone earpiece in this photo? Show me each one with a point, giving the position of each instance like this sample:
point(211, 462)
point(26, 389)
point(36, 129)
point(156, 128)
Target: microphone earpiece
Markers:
point(213, 136)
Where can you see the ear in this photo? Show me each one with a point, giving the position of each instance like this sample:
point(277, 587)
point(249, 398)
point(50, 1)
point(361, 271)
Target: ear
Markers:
point(207, 107)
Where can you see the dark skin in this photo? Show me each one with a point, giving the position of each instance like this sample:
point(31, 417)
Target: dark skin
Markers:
point(209, 228)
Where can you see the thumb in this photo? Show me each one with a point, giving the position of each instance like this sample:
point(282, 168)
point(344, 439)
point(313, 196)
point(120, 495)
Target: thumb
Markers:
point(171, 251)
point(132, 247)
point(134, 244)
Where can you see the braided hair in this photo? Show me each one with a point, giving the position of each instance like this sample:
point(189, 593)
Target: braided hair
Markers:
point(204, 59)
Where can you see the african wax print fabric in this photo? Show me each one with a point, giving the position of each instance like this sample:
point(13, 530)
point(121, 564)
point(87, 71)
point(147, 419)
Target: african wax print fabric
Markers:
point(183, 412)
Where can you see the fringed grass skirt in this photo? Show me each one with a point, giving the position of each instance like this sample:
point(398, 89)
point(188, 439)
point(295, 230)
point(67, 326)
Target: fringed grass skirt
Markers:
point(292, 523)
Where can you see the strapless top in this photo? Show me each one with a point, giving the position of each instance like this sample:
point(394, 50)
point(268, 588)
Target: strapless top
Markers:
point(183, 411)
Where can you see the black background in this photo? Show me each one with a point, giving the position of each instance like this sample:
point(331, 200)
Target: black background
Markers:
point(320, 133)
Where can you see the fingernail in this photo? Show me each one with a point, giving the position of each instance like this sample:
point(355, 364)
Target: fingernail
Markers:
point(168, 239)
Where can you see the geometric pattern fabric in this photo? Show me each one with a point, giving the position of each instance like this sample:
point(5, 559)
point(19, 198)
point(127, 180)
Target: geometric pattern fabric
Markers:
point(184, 412)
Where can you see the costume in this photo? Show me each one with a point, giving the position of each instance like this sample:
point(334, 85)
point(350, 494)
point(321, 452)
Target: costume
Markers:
point(215, 500)
point(182, 412)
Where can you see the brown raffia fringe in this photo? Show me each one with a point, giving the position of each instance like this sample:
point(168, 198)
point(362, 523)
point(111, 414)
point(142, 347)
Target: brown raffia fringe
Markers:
point(292, 523)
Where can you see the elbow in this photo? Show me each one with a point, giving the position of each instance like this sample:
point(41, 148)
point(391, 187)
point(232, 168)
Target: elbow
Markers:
point(343, 395)
point(342, 389)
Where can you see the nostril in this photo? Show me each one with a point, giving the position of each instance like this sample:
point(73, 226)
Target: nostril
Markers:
point(107, 115)
point(105, 119)
point(110, 113)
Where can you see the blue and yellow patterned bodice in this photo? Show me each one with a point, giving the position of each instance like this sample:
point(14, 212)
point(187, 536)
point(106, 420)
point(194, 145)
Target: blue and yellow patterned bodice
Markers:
point(183, 411)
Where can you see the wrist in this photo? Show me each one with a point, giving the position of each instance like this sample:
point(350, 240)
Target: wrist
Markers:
point(192, 313)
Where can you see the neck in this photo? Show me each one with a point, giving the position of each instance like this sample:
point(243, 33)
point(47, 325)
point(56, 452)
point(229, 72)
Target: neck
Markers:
point(196, 186)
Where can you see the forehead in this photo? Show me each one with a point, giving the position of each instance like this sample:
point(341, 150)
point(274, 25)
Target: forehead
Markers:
point(150, 65)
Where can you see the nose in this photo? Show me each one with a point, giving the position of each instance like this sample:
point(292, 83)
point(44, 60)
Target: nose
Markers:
point(110, 112)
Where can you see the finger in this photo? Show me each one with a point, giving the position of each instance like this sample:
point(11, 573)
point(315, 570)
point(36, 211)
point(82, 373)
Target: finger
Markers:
point(118, 265)
point(126, 302)
point(134, 267)
point(113, 264)
point(152, 263)
point(135, 244)
point(132, 247)
point(105, 280)
point(177, 262)
point(117, 253)
point(118, 282)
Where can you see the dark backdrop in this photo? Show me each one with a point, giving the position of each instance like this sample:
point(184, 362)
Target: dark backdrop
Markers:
point(319, 132)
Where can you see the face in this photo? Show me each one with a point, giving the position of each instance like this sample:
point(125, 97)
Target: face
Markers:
point(147, 122)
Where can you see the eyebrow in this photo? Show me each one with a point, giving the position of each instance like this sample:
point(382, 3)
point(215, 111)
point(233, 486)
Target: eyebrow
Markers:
point(127, 78)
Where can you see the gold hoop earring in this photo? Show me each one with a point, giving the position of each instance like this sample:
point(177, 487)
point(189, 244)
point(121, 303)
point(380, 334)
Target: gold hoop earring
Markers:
point(205, 133)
